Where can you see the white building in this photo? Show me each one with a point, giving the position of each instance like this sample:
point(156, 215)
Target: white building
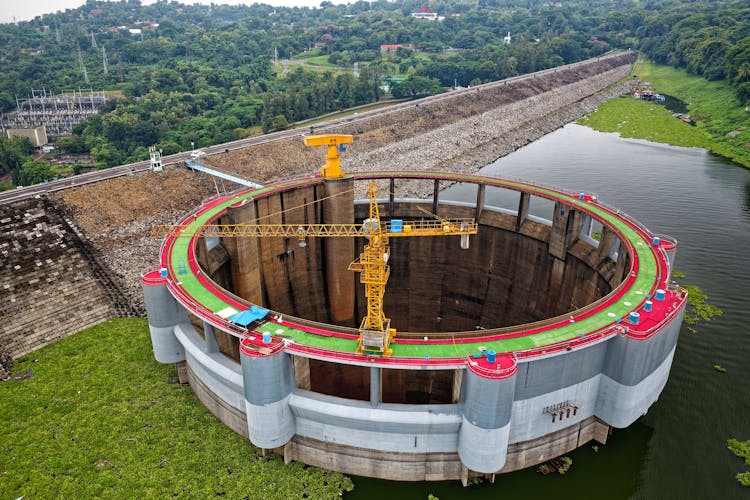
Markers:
point(37, 135)
point(424, 12)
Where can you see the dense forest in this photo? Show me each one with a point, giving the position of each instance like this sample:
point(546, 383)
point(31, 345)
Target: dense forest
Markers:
point(182, 75)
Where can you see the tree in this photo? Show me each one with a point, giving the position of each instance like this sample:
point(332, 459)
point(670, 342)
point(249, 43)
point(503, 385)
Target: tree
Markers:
point(13, 152)
point(345, 90)
point(6, 102)
point(107, 155)
point(73, 144)
point(200, 64)
point(33, 172)
point(416, 86)
point(743, 93)
point(278, 122)
point(743, 74)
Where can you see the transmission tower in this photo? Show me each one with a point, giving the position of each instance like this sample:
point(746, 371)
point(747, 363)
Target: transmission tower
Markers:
point(93, 40)
point(80, 62)
point(120, 71)
point(104, 61)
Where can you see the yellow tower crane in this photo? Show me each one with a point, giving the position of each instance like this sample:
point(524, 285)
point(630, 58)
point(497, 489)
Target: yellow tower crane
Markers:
point(375, 332)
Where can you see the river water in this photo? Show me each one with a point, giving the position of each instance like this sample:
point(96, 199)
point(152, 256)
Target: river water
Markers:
point(678, 450)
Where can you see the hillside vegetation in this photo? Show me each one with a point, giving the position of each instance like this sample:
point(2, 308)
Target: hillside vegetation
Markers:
point(196, 75)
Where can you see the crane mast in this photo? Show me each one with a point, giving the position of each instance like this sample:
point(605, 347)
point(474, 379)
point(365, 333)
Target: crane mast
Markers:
point(375, 332)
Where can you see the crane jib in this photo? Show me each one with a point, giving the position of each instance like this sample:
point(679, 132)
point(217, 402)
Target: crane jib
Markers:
point(392, 229)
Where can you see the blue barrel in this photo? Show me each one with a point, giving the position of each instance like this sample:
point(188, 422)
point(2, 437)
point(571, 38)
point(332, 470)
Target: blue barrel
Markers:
point(490, 356)
point(397, 225)
point(634, 317)
point(266, 337)
point(163, 272)
point(647, 306)
point(660, 294)
point(656, 241)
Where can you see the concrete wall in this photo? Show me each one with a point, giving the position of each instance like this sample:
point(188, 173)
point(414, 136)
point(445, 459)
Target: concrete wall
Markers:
point(292, 277)
point(53, 285)
point(389, 427)
point(496, 425)
point(338, 207)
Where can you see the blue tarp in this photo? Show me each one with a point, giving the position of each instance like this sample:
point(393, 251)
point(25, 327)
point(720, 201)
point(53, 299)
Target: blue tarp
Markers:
point(244, 318)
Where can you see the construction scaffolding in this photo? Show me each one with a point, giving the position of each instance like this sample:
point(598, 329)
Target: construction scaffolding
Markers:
point(57, 112)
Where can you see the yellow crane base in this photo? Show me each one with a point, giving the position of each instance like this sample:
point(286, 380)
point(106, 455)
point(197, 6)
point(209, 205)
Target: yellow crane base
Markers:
point(382, 347)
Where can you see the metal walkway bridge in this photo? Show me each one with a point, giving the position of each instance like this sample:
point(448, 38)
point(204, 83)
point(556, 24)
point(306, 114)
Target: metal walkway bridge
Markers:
point(194, 165)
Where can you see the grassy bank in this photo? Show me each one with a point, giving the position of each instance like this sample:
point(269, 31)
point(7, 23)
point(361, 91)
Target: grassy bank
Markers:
point(712, 105)
point(101, 419)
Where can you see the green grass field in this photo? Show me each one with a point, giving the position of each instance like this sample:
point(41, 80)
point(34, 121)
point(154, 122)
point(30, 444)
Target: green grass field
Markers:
point(279, 70)
point(308, 53)
point(712, 105)
point(644, 120)
point(102, 419)
point(320, 61)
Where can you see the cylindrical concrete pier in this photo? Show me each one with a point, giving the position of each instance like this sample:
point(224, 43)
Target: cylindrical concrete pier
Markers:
point(268, 381)
point(487, 403)
point(164, 313)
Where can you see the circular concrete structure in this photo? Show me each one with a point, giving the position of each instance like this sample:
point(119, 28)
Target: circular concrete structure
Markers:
point(532, 342)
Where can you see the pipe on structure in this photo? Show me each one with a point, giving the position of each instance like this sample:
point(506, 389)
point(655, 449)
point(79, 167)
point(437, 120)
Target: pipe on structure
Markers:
point(164, 313)
point(669, 246)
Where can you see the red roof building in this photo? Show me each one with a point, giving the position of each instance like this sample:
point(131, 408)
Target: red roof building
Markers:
point(393, 47)
point(424, 12)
